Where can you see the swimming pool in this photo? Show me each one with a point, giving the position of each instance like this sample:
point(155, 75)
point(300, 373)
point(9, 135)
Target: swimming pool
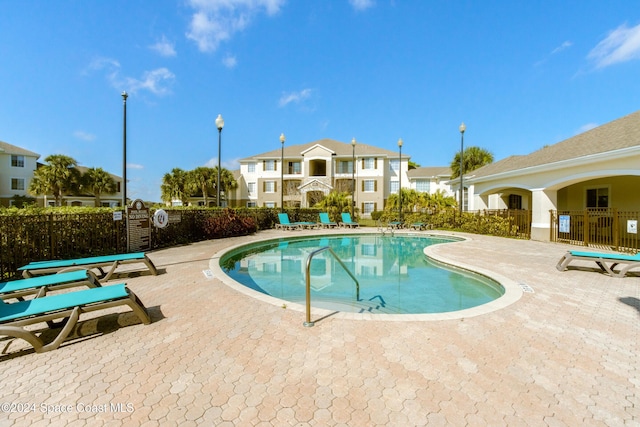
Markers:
point(394, 275)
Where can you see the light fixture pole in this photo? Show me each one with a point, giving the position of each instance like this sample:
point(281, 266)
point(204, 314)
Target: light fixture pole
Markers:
point(219, 125)
point(124, 151)
point(463, 127)
point(282, 139)
point(400, 180)
point(353, 177)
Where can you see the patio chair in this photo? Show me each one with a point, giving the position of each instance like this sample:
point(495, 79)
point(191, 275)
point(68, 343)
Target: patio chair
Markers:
point(325, 221)
point(395, 224)
point(90, 263)
point(606, 261)
point(283, 218)
point(39, 286)
point(419, 226)
point(67, 306)
point(347, 222)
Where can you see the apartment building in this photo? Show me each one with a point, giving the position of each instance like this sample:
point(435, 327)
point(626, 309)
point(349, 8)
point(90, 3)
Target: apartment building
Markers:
point(301, 175)
point(17, 167)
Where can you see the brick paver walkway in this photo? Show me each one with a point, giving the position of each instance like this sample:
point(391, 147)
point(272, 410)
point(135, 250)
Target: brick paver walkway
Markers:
point(564, 355)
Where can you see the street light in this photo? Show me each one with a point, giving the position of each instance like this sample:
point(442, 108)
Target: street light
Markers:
point(282, 139)
point(219, 125)
point(463, 127)
point(353, 177)
point(124, 150)
point(400, 179)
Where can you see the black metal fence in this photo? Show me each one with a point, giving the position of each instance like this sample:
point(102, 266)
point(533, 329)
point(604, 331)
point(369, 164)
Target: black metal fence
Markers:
point(604, 228)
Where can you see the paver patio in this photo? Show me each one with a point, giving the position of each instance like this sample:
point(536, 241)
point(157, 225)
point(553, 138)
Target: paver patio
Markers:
point(564, 355)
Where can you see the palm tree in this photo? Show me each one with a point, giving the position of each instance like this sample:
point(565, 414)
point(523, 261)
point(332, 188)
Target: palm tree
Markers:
point(335, 203)
point(174, 186)
point(474, 158)
point(202, 180)
point(97, 181)
point(227, 181)
point(57, 177)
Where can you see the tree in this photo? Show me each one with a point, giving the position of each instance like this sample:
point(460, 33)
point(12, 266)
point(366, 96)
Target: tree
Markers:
point(227, 181)
point(97, 181)
point(474, 158)
point(174, 186)
point(57, 177)
point(335, 203)
point(201, 180)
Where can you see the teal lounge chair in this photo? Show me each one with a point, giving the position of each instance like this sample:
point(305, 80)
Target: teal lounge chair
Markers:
point(395, 224)
point(68, 306)
point(98, 262)
point(347, 222)
point(606, 261)
point(419, 226)
point(43, 284)
point(325, 221)
point(283, 218)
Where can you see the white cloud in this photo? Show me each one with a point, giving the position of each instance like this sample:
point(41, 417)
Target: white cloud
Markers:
point(565, 45)
point(164, 47)
point(231, 165)
point(361, 4)
point(587, 127)
point(296, 97)
point(84, 136)
point(155, 81)
point(134, 166)
point(215, 21)
point(620, 45)
point(229, 61)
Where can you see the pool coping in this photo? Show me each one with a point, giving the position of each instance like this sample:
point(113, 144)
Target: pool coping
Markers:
point(512, 290)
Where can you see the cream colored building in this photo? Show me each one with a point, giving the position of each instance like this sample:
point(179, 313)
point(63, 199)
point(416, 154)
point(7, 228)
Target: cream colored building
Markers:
point(17, 167)
point(599, 168)
point(313, 170)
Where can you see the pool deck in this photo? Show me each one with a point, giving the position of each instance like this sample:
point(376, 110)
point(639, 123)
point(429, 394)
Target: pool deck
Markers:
point(565, 354)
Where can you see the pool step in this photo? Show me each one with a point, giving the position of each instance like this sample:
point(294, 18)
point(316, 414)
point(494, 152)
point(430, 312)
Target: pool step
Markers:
point(362, 306)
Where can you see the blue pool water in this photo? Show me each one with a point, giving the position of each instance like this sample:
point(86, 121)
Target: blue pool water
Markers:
point(394, 274)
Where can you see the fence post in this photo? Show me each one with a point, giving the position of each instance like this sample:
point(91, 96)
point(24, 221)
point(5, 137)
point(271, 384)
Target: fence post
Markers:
point(614, 228)
point(552, 226)
point(585, 228)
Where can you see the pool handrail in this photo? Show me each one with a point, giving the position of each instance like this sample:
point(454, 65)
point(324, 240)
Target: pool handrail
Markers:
point(308, 322)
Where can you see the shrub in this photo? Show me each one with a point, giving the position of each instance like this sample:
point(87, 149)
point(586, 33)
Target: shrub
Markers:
point(228, 224)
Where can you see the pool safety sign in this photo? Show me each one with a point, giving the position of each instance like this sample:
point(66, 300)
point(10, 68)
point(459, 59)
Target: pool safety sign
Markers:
point(565, 222)
point(632, 226)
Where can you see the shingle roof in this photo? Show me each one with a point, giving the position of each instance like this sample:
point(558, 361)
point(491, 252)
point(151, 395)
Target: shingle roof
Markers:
point(12, 149)
point(618, 134)
point(429, 172)
point(341, 149)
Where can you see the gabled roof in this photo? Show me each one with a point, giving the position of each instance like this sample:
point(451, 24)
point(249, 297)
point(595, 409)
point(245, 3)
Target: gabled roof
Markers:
point(616, 135)
point(341, 149)
point(430, 172)
point(12, 149)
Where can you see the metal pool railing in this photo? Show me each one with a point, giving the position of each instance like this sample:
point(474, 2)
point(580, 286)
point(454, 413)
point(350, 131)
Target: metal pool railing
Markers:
point(308, 321)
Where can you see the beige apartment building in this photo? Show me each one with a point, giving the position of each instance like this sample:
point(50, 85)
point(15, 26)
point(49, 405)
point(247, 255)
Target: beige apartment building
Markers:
point(312, 170)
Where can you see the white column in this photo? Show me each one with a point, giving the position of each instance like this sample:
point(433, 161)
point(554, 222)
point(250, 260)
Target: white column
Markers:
point(542, 201)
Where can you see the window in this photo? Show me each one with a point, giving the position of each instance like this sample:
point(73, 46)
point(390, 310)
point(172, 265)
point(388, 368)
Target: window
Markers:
point(597, 197)
point(345, 167)
point(251, 187)
point(294, 168)
point(394, 164)
point(369, 163)
point(368, 249)
point(251, 204)
point(369, 185)
point(515, 201)
point(269, 205)
point(269, 165)
point(368, 271)
point(368, 207)
point(423, 185)
point(251, 167)
point(394, 186)
point(269, 186)
point(17, 184)
point(17, 161)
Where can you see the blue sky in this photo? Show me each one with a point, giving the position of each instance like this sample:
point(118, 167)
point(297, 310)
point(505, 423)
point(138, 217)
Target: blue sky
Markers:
point(520, 74)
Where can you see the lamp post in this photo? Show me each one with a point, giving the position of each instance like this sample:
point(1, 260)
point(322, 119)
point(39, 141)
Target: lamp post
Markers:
point(353, 177)
point(282, 139)
point(219, 125)
point(124, 150)
point(463, 127)
point(400, 180)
